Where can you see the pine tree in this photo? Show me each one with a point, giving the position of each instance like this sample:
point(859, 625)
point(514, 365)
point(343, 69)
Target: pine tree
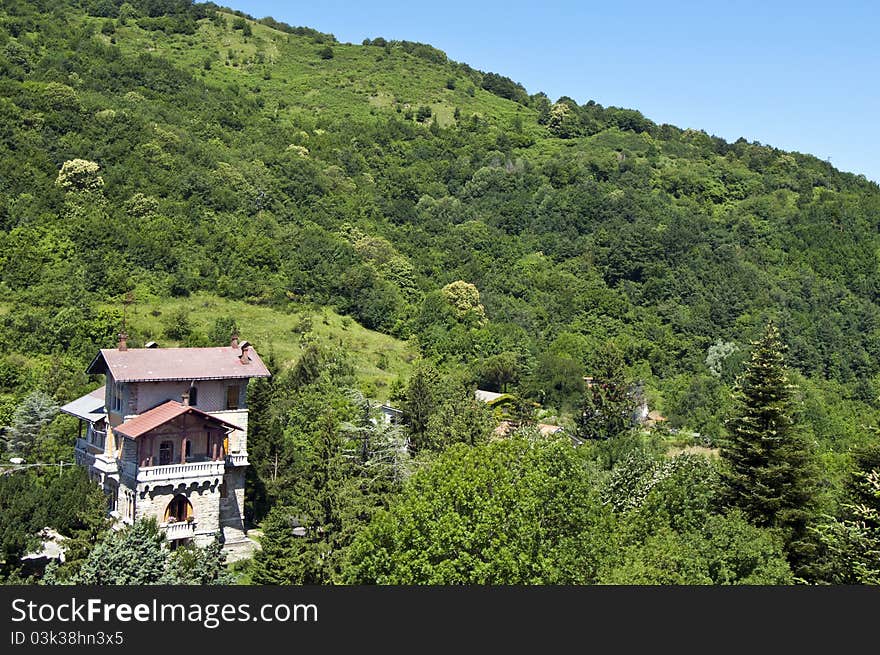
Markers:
point(265, 446)
point(193, 565)
point(135, 555)
point(316, 504)
point(308, 367)
point(769, 468)
point(419, 404)
point(608, 406)
point(285, 558)
point(25, 434)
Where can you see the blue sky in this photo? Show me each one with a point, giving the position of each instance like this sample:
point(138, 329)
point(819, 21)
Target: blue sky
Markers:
point(800, 76)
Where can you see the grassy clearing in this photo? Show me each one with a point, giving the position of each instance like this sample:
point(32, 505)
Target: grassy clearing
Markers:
point(378, 358)
point(710, 453)
point(356, 82)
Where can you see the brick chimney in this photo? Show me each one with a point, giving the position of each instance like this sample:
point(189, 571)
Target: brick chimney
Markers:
point(234, 344)
point(184, 399)
point(122, 345)
point(244, 357)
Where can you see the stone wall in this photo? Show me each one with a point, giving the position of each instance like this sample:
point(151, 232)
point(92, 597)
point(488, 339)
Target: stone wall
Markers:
point(204, 498)
point(232, 505)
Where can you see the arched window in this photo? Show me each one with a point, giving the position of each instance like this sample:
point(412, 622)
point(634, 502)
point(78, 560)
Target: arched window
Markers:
point(193, 395)
point(179, 509)
point(166, 453)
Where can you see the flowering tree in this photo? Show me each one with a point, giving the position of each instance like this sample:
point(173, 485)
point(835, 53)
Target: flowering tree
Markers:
point(79, 175)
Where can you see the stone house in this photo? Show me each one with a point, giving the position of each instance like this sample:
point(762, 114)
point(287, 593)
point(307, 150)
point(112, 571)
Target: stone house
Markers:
point(166, 436)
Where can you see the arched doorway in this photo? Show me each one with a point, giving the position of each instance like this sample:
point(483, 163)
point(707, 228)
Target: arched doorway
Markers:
point(179, 509)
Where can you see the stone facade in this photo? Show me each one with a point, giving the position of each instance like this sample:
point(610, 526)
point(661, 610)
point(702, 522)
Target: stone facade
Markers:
point(184, 474)
point(153, 502)
point(187, 468)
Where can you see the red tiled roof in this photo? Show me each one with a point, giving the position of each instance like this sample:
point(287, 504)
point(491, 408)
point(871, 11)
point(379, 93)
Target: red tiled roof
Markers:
point(155, 364)
point(160, 415)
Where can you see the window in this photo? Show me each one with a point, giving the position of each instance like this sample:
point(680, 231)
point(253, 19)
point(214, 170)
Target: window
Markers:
point(179, 509)
point(116, 397)
point(166, 453)
point(193, 396)
point(188, 449)
point(232, 392)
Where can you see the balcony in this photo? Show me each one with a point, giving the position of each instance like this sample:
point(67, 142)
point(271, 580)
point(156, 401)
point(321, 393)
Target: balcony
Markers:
point(195, 471)
point(179, 530)
point(237, 459)
point(87, 454)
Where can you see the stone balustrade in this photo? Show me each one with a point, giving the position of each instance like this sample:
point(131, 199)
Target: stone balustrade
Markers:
point(179, 530)
point(179, 471)
point(237, 459)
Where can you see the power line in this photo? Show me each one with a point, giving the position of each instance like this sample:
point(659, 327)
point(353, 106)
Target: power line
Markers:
point(6, 469)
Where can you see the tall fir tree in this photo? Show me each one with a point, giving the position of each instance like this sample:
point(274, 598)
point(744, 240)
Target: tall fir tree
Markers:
point(608, 405)
point(769, 470)
point(285, 558)
point(419, 403)
point(264, 447)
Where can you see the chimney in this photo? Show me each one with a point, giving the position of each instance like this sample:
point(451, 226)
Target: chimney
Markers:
point(234, 344)
point(244, 357)
point(184, 399)
point(122, 345)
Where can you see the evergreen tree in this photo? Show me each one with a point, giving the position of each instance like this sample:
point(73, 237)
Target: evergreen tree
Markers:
point(460, 418)
point(192, 565)
point(30, 418)
point(265, 444)
point(308, 367)
point(77, 508)
point(314, 504)
point(139, 555)
point(133, 556)
point(768, 472)
point(376, 451)
point(608, 406)
point(21, 512)
point(853, 539)
point(285, 557)
point(221, 333)
point(419, 404)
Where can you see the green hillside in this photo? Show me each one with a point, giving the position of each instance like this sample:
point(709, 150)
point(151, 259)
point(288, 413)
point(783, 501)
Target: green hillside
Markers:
point(353, 209)
point(279, 167)
point(378, 359)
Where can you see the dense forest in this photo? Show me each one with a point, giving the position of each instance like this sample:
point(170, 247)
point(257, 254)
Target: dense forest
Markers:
point(159, 151)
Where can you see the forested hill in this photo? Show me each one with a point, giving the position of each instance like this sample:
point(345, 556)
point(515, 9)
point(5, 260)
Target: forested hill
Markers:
point(272, 164)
